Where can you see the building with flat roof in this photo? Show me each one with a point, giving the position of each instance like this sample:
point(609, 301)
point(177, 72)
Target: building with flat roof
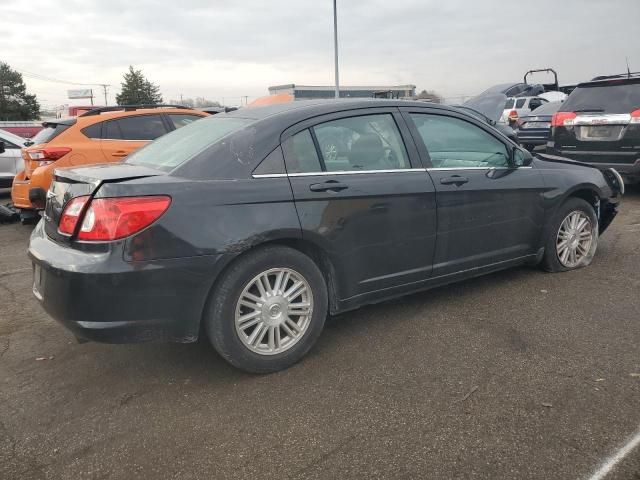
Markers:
point(310, 92)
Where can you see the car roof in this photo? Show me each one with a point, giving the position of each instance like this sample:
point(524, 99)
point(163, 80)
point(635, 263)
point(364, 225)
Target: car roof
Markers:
point(611, 81)
point(125, 112)
point(302, 109)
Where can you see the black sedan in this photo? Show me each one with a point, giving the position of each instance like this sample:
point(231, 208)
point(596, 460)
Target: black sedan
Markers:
point(253, 225)
point(534, 128)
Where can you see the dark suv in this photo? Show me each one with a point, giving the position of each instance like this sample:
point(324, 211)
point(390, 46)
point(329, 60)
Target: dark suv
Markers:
point(599, 123)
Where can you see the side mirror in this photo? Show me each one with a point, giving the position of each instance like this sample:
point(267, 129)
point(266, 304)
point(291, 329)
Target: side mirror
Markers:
point(2, 147)
point(521, 158)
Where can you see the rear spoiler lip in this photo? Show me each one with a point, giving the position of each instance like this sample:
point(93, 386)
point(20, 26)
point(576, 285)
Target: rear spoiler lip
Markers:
point(76, 174)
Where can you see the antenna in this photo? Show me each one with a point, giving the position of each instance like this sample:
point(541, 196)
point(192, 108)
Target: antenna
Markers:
point(628, 69)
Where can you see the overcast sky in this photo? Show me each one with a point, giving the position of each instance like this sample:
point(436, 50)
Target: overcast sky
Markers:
point(230, 48)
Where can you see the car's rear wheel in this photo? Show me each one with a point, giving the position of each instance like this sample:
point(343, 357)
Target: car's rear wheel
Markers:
point(573, 238)
point(268, 310)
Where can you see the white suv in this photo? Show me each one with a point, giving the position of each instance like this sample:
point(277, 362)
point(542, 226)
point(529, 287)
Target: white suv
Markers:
point(515, 107)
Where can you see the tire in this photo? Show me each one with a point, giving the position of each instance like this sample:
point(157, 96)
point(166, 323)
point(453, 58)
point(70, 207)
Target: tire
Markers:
point(277, 344)
point(554, 254)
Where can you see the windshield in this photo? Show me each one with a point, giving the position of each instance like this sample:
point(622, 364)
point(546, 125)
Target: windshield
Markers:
point(177, 147)
point(607, 98)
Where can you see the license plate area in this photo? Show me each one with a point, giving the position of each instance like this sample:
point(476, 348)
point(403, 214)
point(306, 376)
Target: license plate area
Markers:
point(536, 125)
point(600, 132)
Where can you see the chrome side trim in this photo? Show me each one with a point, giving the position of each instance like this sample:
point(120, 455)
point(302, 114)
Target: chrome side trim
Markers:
point(475, 168)
point(602, 119)
point(344, 172)
point(359, 172)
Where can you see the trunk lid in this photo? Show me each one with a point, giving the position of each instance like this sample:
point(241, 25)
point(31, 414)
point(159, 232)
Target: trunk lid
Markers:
point(69, 183)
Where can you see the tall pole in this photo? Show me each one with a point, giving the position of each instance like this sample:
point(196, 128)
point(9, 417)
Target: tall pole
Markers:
point(104, 90)
point(335, 44)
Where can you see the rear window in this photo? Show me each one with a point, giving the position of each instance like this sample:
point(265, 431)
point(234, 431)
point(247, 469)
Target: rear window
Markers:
point(607, 98)
point(177, 147)
point(547, 108)
point(49, 132)
point(509, 103)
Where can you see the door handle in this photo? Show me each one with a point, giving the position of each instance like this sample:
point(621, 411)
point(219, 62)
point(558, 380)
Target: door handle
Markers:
point(119, 153)
point(331, 186)
point(456, 180)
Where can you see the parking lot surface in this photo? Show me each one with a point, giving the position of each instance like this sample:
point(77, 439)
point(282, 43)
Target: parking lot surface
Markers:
point(520, 374)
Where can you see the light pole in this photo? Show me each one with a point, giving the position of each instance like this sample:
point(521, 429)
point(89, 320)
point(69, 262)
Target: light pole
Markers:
point(335, 44)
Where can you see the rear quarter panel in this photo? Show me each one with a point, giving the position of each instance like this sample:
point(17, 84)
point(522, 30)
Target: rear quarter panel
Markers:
point(210, 217)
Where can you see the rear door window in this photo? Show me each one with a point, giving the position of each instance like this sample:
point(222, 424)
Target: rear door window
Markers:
point(181, 120)
point(613, 97)
point(520, 102)
point(368, 142)
point(141, 127)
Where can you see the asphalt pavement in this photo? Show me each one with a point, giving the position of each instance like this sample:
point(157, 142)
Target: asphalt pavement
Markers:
point(518, 375)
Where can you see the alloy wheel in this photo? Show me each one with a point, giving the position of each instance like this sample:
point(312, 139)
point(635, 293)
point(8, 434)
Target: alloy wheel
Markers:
point(274, 311)
point(575, 238)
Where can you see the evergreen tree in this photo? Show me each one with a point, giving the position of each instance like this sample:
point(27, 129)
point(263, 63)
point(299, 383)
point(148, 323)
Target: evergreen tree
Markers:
point(137, 90)
point(15, 103)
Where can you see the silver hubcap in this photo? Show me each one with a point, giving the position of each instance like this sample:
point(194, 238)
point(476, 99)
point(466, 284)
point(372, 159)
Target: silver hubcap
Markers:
point(274, 311)
point(574, 239)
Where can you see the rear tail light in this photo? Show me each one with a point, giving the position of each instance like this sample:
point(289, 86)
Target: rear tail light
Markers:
point(71, 214)
point(563, 119)
point(47, 155)
point(513, 115)
point(635, 116)
point(111, 218)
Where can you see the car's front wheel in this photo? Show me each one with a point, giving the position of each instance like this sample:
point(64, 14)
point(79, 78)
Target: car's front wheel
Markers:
point(573, 237)
point(268, 310)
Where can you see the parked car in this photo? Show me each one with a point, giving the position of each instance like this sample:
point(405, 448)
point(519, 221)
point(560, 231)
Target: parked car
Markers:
point(515, 107)
point(534, 128)
point(10, 158)
point(106, 134)
point(488, 107)
point(251, 226)
point(599, 123)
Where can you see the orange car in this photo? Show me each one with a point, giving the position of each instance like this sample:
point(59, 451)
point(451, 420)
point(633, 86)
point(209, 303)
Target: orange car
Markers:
point(101, 135)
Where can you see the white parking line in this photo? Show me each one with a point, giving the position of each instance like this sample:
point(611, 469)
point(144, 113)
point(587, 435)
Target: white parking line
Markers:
point(611, 462)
